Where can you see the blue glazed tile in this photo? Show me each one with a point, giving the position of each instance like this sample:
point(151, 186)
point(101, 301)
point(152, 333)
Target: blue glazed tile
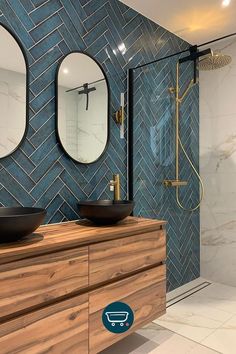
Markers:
point(74, 18)
point(44, 184)
point(37, 68)
point(69, 212)
point(53, 207)
point(41, 135)
point(64, 47)
point(15, 189)
point(43, 149)
point(13, 22)
point(94, 21)
point(56, 218)
point(7, 200)
point(45, 27)
point(38, 3)
point(42, 116)
point(44, 165)
point(91, 36)
point(97, 45)
point(48, 195)
point(73, 185)
point(23, 161)
point(78, 6)
point(83, 2)
point(43, 98)
point(19, 174)
point(27, 148)
point(46, 45)
point(91, 7)
point(27, 4)
point(21, 12)
point(68, 38)
point(41, 13)
point(43, 80)
point(69, 197)
point(71, 29)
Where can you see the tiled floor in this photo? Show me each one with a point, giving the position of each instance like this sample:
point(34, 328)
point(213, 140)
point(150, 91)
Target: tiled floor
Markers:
point(203, 323)
point(207, 317)
point(154, 339)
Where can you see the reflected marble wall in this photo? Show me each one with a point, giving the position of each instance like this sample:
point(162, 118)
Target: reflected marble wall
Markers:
point(218, 169)
point(68, 113)
point(80, 128)
point(13, 110)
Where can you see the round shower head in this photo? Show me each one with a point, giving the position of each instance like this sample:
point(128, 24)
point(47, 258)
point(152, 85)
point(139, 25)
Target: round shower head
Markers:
point(214, 61)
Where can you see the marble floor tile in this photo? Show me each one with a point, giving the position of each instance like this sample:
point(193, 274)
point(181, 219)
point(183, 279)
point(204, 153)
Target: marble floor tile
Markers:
point(193, 318)
point(223, 339)
point(217, 296)
point(153, 339)
point(180, 345)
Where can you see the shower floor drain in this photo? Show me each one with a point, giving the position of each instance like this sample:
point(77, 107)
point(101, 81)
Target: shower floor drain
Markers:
point(187, 293)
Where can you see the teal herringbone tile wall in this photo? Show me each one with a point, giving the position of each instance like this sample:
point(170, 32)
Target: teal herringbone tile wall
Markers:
point(38, 173)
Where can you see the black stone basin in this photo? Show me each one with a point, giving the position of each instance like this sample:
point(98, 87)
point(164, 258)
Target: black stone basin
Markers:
point(18, 222)
point(105, 212)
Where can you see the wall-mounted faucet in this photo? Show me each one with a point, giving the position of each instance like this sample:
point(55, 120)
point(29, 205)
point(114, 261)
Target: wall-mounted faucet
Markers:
point(115, 186)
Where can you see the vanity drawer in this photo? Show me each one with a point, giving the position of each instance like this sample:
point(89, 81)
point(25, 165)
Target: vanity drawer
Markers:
point(111, 259)
point(61, 328)
point(145, 293)
point(37, 280)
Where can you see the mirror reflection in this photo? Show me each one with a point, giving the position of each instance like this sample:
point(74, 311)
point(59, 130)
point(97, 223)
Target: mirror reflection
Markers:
point(12, 93)
point(82, 108)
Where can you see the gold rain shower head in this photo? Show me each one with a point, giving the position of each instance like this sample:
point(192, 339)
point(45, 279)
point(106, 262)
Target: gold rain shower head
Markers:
point(214, 61)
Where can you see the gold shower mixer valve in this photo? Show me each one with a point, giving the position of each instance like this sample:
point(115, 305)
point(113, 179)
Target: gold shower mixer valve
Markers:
point(174, 183)
point(171, 90)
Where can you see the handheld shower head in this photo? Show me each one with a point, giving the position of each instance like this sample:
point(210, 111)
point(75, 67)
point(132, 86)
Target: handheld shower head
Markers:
point(214, 61)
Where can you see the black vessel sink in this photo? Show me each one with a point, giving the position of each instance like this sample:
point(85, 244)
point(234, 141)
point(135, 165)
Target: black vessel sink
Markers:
point(105, 212)
point(18, 222)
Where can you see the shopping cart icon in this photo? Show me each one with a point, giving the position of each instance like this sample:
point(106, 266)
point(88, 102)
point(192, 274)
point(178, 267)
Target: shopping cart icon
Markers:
point(117, 317)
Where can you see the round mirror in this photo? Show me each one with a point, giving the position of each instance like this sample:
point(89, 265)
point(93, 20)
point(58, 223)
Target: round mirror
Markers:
point(12, 93)
point(82, 107)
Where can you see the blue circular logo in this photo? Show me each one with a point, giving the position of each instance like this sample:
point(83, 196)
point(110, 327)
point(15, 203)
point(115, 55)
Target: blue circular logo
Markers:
point(117, 317)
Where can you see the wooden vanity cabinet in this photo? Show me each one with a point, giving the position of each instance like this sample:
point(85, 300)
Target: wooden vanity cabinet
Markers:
point(54, 290)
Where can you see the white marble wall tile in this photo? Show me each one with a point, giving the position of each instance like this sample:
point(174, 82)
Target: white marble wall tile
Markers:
point(218, 170)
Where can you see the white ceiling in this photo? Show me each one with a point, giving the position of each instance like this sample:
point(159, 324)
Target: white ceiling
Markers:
point(196, 21)
point(78, 69)
point(11, 57)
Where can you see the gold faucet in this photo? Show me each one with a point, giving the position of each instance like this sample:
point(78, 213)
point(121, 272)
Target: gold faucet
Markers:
point(115, 186)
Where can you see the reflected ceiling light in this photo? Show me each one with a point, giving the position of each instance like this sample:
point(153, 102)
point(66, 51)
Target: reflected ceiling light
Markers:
point(65, 71)
point(226, 3)
point(122, 48)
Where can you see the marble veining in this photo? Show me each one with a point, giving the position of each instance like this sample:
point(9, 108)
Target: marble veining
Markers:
point(208, 316)
point(154, 339)
point(13, 110)
point(218, 170)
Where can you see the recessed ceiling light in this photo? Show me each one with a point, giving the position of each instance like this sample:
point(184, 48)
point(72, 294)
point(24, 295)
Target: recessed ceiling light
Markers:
point(226, 3)
point(65, 71)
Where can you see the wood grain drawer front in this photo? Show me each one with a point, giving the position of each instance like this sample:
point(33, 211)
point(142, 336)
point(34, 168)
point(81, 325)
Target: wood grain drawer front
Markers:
point(145, 293)
point(34, 281)
point(108, 260)
point(56, 329)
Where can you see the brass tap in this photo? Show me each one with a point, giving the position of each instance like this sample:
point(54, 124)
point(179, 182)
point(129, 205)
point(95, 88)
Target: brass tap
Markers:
point(115, 186)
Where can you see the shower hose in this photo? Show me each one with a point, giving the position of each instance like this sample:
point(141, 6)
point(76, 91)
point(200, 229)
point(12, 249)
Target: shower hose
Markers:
point(198, 176)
